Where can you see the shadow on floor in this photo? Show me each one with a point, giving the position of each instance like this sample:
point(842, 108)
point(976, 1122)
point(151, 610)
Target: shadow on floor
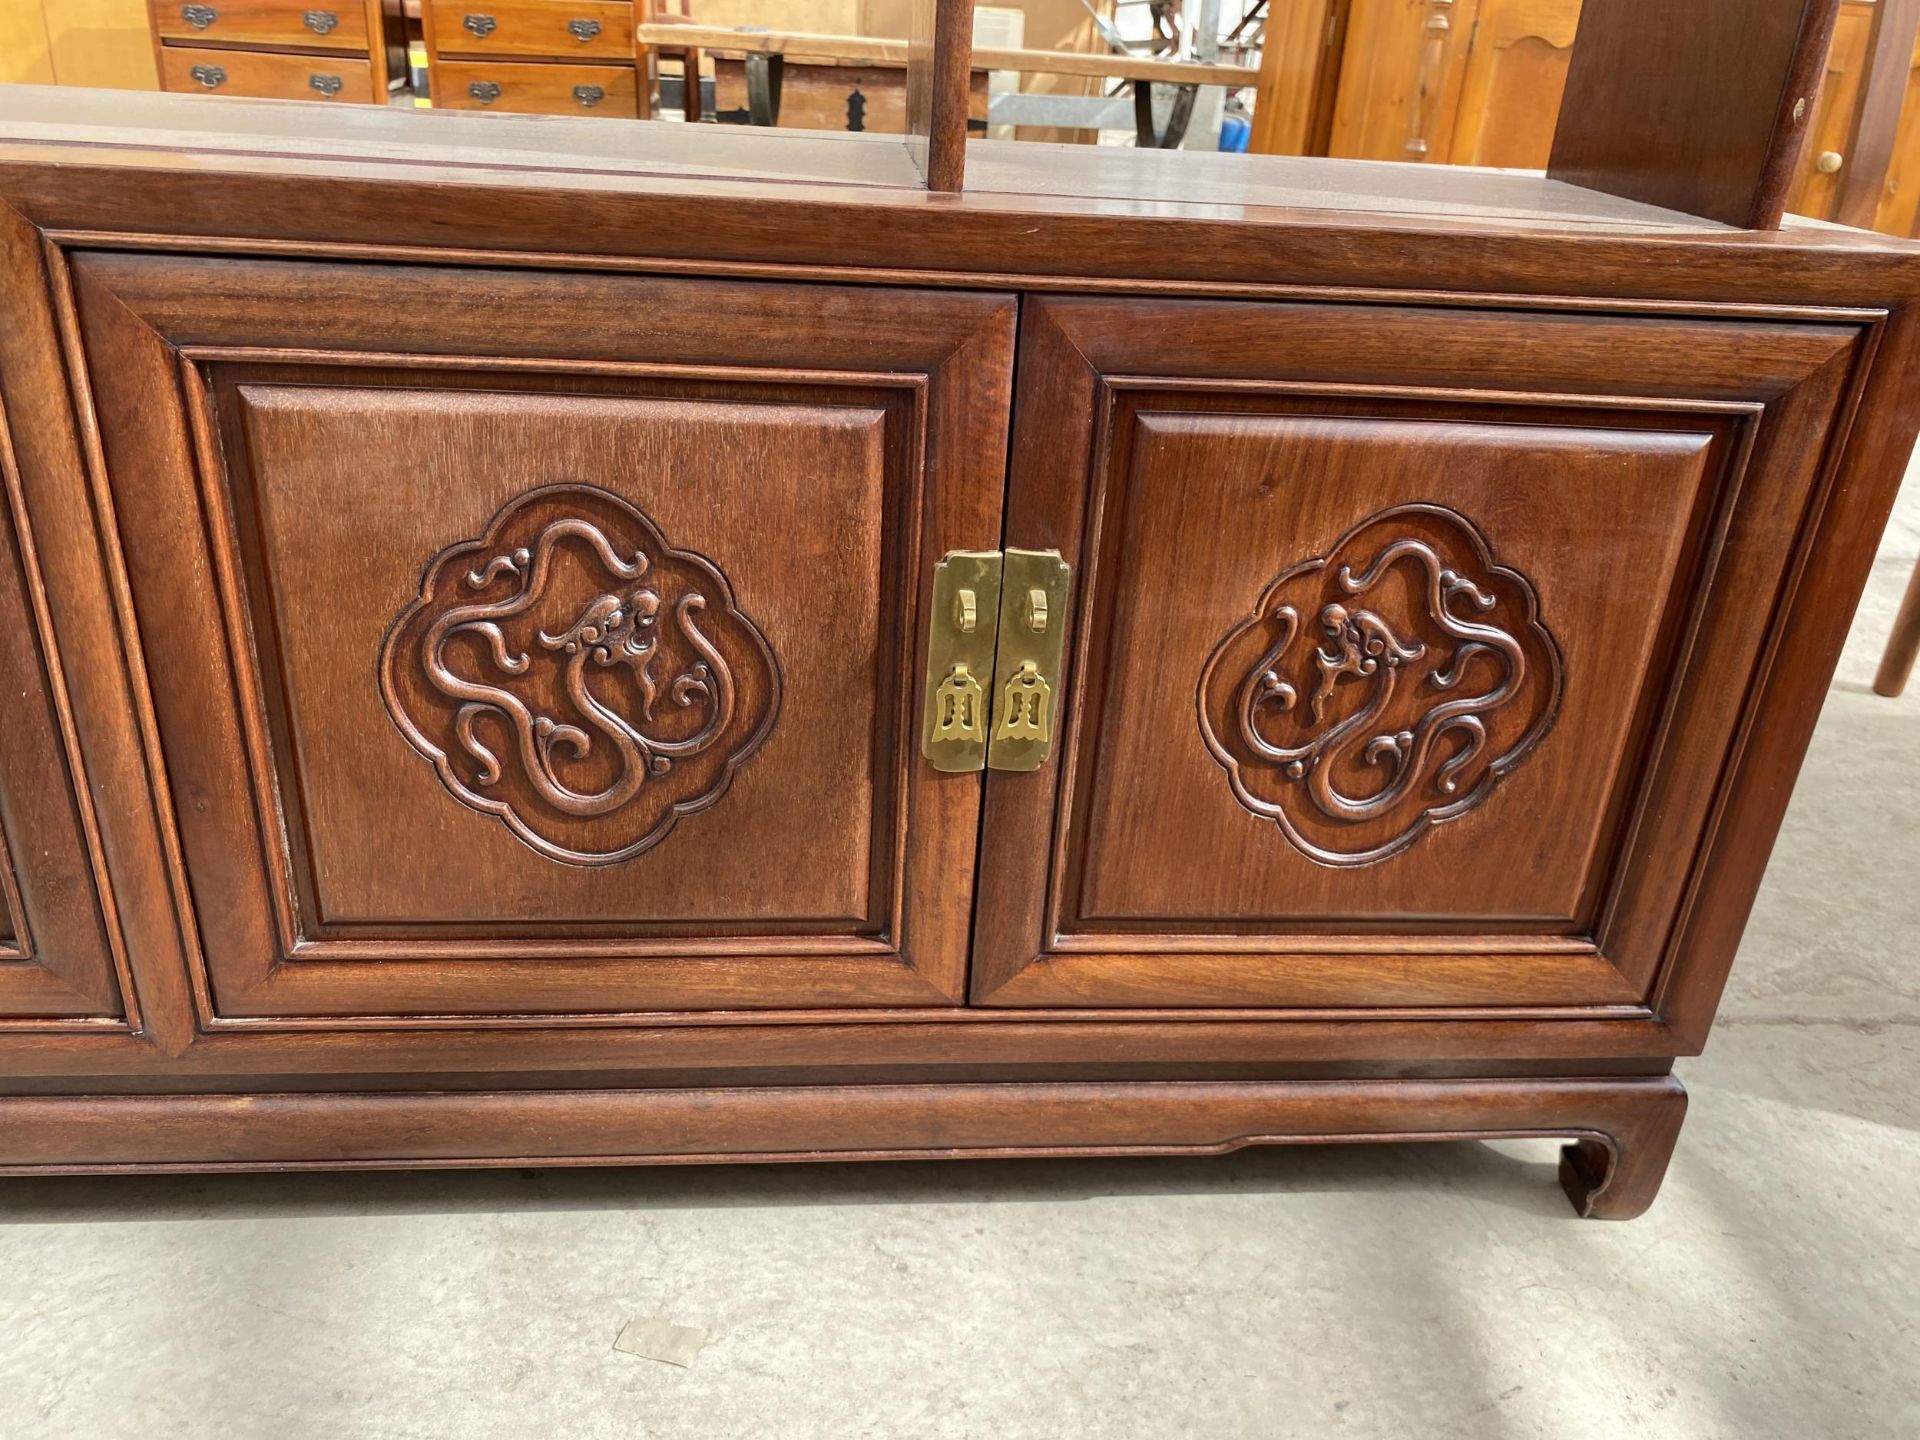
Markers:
point(1516, 1175)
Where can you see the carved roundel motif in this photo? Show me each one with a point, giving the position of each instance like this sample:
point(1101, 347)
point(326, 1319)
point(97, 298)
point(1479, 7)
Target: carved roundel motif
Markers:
point(573, 674)
point(1383, 688)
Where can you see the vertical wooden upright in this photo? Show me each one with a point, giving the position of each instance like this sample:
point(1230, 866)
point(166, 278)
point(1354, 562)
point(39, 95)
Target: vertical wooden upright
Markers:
point(1697, 105)
point(939, 64)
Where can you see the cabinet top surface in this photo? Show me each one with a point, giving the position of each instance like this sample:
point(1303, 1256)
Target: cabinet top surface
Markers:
point(129, 162)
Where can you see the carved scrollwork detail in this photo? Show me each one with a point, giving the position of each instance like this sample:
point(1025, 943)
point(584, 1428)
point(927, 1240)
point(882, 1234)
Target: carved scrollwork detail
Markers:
point(574, 675)
point(1383, 688)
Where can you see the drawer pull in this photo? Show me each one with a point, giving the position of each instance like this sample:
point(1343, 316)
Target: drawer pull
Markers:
point(210, 76)
point(583, 30)
point(485, 91)
point(199, 16)
point(321, 22)
point(480, 26)
point(589, 95)
point(327, 85)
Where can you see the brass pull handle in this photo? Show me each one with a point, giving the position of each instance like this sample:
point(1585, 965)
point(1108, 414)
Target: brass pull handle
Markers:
point(327, 85)
point(994, 647)
point(321, 22)
point(485, 91)
point(966, 602)
point(479, 26)
point(1829, 162)
point(589, 95)
point(212, 77)
point(199, 16)
point(583, 30)
point(1031, 645)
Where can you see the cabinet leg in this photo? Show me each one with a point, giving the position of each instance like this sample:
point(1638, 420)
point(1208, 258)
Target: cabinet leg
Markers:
point(1615, 1176)
point(1897, 664)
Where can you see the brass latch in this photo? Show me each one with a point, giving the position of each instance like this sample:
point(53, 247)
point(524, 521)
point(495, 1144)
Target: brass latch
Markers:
point(994, 647)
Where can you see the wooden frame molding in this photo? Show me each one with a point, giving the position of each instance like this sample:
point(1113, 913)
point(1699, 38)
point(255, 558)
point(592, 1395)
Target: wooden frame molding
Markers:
point(1623, 1131)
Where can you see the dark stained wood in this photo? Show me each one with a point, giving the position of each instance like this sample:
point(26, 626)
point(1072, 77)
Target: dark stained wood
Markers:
point(1697, 105)
point(275, 377)
point(1625, 1129)
point(54, 952)
point(826, 871)
point(1168, 882)
point(939, 82)
point(1903, 645)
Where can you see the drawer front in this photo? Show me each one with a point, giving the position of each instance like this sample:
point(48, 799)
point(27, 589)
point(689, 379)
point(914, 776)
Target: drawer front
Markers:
point(567, 663)
point(324, 26)
point(1411, 645)
point(554, 29)
point(267, 77)
point(54, 957)
point(530, 88)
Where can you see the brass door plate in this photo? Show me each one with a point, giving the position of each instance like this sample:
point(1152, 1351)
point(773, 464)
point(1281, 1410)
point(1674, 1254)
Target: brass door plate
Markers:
point(1032, 639)
point(960, 639)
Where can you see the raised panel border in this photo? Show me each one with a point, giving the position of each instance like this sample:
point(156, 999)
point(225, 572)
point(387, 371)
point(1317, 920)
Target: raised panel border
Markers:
point(1082, 355)
point(155, 320)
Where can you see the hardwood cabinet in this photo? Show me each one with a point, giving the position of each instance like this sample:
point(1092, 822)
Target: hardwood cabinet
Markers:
point(565, 665)
point(1365, 591)
point(614, 660)
point(56, 965)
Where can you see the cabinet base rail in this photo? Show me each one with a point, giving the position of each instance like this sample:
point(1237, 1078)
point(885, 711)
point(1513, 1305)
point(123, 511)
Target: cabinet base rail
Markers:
point(1622, 1130)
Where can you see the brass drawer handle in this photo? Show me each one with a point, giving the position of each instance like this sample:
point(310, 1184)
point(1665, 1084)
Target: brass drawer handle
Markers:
point(480, 26)
point(210, 76)
point(589, 95)
point(321, 22)
point(327, 85)
point(199, 16)
point(485, 91)
point(583, 30)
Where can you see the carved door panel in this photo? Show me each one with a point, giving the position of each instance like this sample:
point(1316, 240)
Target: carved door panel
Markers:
point(563, 658)
point(54, 957)
point(1408, 645)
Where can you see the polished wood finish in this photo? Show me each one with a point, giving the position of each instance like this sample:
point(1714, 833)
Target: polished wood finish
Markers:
point(1174, 883)
point(545, 29)
point(939, 80)
point(274, 49)
point(1903, 645)
point(868, 902)
point(608, 92)
point(1623, 1131)
point(1698, 105)
point(286, 445)
point(292, 24)
point(537, 57)
point(341, 78)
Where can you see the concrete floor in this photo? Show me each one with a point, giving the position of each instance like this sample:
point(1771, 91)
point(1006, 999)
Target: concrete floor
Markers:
point(1429, 1291)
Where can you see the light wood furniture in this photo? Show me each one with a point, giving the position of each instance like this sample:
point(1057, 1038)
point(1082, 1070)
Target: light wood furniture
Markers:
point(549, 57)
point(773, 659)
point(275, 49)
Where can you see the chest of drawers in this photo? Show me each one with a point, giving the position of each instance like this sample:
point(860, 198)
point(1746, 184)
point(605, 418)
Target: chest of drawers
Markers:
point(275, 49)
point(550, 57)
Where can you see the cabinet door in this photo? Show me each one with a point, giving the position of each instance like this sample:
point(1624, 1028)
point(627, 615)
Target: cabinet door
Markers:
point(1516, 73)
point(1409, 645)
point(532, 643)
point(54, 957)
